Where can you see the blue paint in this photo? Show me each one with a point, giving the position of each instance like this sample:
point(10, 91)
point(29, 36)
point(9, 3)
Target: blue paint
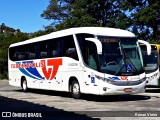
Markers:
point(113, 78)
point(33, 71)
point(30, 72)
point(92, 79)
point(129, 67)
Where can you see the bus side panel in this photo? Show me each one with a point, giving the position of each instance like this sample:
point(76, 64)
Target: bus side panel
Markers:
point(50, 73)
point(14, 80)
point(153, 78)
point(14, 74)
point(70, 76)
point(91, 83)
point(71, 70)
point(56, 82)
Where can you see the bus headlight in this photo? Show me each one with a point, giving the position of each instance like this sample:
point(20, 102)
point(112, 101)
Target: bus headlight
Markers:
point(105, 79)
point(121, 82)
point(108, 80)
point(143, 79)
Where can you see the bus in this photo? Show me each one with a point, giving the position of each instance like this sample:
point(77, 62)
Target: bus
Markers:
point(158, 50)
point(89, 60)
point(151, 65)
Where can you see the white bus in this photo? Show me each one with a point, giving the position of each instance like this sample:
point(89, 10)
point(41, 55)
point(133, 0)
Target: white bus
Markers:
point(151, 65)
point(90, 60)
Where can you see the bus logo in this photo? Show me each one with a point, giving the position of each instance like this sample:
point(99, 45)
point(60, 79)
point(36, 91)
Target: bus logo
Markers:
point(124, 77)
point(51, 72)
point(49, 68)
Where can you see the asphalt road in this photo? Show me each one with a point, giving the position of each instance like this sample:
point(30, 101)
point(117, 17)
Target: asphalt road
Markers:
point(52, 105)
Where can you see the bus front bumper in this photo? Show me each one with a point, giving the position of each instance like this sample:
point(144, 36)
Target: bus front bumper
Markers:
point(118, 90)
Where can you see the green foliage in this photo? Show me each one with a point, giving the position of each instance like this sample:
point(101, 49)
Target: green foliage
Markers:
point(153, 42)
point(4, 75)
point(8, 36)
point(38, 33)
point(145, 16)
point(48, 29)
point(75, 13)
point(140, 17)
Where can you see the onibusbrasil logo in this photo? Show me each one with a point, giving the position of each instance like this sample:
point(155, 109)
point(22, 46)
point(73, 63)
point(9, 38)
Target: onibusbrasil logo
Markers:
point(49, 67)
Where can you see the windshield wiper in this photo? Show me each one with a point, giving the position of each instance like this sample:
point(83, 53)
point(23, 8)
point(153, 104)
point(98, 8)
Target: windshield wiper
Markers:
point(132, 64)
point(120, 48)
point(124, 60)
point(120, 68)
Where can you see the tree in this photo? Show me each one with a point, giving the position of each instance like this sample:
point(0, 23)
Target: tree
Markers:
point(5, 40)
point(140, 17)
point(75, 13)
point(3, 25)
point(57, 10)
point(145, 16)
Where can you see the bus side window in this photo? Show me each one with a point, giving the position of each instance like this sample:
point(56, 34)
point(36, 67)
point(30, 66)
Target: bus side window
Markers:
point(54, 53)
point(21, 56)
point(43, 54)
point(69, 48)
point(32, 55)
point(32, 51)
point(88, 50)
point(52, 48)
point(20, 53)
point(71, 52)
point(91, 55)
point(92, 62)
point(43, 49)
point(15, 55)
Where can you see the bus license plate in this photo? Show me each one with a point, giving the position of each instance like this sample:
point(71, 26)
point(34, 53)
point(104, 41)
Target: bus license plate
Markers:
point(128, 90)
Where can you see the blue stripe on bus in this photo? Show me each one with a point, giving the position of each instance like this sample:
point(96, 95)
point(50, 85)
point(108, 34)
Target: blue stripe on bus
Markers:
point(33, 71)
point(113, 78)
point(24, 71)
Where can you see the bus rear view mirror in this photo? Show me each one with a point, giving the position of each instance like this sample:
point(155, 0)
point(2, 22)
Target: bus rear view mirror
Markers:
point(148, 46)
point(98, 44)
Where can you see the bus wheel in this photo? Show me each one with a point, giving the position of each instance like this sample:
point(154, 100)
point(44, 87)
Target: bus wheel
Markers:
point(24, 85)
point(75, 90)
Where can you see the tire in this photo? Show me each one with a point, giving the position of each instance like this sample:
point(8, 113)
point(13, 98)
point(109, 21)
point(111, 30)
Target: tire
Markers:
point(75, 90)
point(24, 85)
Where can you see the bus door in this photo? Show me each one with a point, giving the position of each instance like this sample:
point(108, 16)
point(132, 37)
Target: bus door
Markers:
point(90, 71)
point(91, 81)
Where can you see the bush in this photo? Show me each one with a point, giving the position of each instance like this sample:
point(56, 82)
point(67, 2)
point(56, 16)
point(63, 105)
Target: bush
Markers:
point(4, 75)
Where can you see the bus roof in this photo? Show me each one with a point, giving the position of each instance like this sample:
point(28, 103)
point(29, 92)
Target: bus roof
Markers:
point(89, 30)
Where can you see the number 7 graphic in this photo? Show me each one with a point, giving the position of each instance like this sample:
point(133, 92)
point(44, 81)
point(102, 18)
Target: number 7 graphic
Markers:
point(51, 72)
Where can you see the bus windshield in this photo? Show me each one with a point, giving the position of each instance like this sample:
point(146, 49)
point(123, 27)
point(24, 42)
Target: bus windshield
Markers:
point(150, 61)
point(120, 56)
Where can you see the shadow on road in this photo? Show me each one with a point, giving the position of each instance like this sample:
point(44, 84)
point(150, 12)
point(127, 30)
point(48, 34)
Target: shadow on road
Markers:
point(117, 98)
point(96, 98)
point(48, 113)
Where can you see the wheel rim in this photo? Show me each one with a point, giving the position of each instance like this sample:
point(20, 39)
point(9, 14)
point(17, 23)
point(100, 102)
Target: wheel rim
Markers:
point(24, 85)
point(76, 89)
